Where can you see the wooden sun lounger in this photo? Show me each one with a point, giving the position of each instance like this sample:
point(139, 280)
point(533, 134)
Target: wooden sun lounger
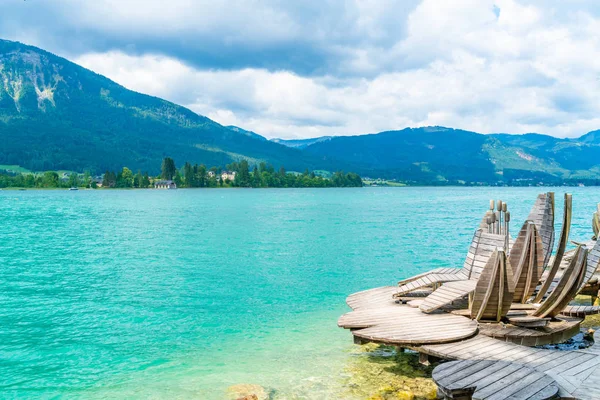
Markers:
point(494, 291)
point(524, 266)
point(481, 248)
point(526, 259)
point(593, 262)
point(567, 287)
point(542, 215)
point(560, 251)
point(579, 271)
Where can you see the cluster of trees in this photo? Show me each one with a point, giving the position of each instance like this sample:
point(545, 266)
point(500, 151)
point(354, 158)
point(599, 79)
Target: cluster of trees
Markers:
point(262, 175)
point(125, 179)
point(48, 179)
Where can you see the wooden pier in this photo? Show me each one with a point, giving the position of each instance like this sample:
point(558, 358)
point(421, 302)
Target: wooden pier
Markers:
point(471, 317)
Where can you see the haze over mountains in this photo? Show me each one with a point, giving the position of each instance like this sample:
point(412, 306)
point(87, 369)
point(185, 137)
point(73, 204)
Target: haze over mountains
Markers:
point(55, 114)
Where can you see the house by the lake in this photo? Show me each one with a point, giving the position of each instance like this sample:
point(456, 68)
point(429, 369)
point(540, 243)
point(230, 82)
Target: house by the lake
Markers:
point(165, 185)
point(228, 175)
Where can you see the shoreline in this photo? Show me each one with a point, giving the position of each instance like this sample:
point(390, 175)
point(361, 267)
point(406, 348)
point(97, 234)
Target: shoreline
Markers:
point(23, 189)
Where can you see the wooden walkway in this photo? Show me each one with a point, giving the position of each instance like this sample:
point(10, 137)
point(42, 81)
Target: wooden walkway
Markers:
point(576, 372)
point(493, 380)
point(378, 321)
point(580, 311)
point(378, 318)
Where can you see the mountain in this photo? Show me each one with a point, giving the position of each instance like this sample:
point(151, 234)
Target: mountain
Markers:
point(439, 154)
point(591, 137)
point(245, 132)
point(301, 143)
point(55, 114)
point(421, 154)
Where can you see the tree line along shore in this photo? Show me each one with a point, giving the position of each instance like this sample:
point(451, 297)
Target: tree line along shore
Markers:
point(238, 174)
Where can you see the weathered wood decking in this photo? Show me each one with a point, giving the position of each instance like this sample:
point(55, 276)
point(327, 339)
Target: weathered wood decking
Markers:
point(449, 293)
point(376, 318)
point(493, 380)
point(489, 315)
point(576, 372)
point(379, 321)
point(542, 215)
point(580, 311)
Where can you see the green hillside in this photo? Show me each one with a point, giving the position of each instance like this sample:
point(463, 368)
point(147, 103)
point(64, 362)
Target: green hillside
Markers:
point(443, 155)
point(56, 115)
point(430, 155)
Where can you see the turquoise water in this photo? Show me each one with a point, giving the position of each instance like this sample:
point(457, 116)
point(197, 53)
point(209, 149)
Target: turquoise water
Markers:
point(180, 294)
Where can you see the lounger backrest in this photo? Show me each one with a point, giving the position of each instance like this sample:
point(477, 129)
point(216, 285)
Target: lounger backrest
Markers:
point(567, 287)
point(593, 262)
point(526, 258)
point(482, 247)
point(560, 249)
point(494, 291)
point(542, 215)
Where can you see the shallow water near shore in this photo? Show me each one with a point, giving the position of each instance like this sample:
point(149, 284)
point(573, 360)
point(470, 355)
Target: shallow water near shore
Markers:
point(181, 294)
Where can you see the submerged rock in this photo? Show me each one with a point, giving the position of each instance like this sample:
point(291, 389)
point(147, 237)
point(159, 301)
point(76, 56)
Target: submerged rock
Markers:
point(247, 391)
point(380, 373)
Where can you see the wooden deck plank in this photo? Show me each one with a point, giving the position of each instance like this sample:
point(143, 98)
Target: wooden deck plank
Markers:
point(493, 380)
point(378, 318)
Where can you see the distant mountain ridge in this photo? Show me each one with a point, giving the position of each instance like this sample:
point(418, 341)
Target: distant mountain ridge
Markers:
point(438, 154)
point(301, 143)
point(55, 114)
point(247, 133)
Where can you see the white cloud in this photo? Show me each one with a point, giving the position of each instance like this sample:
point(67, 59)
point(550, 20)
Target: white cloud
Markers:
point(488, 66)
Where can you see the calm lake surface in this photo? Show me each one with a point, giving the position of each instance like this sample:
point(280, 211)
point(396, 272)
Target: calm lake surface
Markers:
point(180, 294)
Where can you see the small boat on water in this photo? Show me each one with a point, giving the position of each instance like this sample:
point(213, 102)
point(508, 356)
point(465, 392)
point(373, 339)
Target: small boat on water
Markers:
point(73, 188)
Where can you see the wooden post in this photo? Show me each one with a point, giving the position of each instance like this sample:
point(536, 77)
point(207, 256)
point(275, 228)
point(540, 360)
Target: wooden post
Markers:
point(504, 210)
point(497, 232)
point(499, 216)
point(492, 207)
point(424, 359)
point(506, 230)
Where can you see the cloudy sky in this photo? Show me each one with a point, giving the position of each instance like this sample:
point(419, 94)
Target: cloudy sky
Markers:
point(297, 68)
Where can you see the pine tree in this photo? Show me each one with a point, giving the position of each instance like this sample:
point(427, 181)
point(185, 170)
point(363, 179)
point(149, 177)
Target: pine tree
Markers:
point(168, 168)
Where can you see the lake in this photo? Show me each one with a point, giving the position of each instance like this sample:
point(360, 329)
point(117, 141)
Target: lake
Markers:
point(182, 293)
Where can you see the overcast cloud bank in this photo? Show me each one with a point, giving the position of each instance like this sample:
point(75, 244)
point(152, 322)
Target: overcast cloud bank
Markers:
point(293, 70)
